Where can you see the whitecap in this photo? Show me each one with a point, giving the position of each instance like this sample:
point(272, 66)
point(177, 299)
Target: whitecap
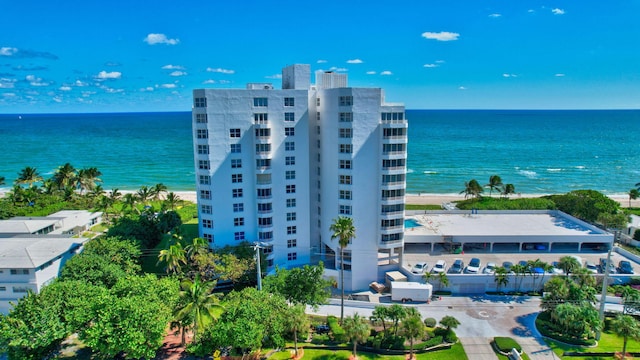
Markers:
point(429, 172)
point(580, 167)
point(554, 169)
point(528, 173)
point(409, 171)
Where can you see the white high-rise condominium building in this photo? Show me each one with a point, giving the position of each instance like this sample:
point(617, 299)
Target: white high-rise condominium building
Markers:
point(277, 166)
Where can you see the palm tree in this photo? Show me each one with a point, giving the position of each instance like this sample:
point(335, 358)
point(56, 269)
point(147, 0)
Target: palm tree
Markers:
point(427, 276)
point(379, 316)
point(28, 176)
point(520, 271)
point(356, 329)
point(413, 328)
point(495, 182)
point(501, 277)
point(296, 321)
point(87, 178)
point(171, 200)
point(443, 280)
point(96, 191)
point(198, 246)
point(344, 231)
point(568, 264)
point(130, 200)
point(507, 190)
point(472, 188)
point(157, 190)
point(449, 322)
point(65, 175)
point(173, 257)
point(197, 305)
point(2, 180)
point(115, 194)
point(633, 194)
point(144, 194)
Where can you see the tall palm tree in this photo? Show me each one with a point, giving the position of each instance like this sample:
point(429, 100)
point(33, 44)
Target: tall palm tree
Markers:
point(130, 200)
point(500, 277)
point(174, 256)
point(633, 194)
point(568, 264)
point(196, 247)
point(144, 194)
point(508, 189)
point(28, 176)
point(443, 280)
point(157, 190)
point(296, 320)
point(115, 194)
point(197, 305)
point(413, 328)
point(171, 200)
point(87, 178)
point(65, 175)
point(472, 188)
point(356, 329)
point(379, 316)
point(495, 183)
point(344, 231)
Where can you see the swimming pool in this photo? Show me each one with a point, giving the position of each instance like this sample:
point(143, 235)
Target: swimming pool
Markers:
point(411, 223)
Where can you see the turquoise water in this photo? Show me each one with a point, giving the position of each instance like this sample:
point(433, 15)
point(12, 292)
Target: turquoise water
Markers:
point(538, 151)
point(411, 223)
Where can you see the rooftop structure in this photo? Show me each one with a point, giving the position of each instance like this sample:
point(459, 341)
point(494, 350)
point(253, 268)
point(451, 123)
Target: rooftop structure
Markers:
point(62, 222)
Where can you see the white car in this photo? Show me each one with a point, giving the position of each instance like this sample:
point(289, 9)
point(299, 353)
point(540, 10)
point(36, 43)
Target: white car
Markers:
point(593, 268)
point(419, 268)
point(473, 267)
point(439, 267)
point(490, 268)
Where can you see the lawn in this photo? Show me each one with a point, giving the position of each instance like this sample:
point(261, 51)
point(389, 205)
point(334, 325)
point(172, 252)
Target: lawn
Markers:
point(609, 342)
point(456, 352)
point(422, 207)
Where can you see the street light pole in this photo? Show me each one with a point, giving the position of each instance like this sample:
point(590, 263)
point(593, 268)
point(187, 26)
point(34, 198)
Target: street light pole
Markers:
point(603, 295)
point(257, 247)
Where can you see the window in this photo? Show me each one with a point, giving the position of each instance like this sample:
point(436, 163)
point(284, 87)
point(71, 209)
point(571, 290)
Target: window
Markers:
point(208, 237)
point(345, 164)
point(291, 189)
point(392, 116)
point(291, 243)
point(238, 207)
point(291, 230)
point(292, 256)
point(345, 179)
point(345, 148)
point(289, 131)
point(346, 117)
point(206, 223)
point(19, 271)
point(317, 101)
point(205, 194)
point(290, 160)
point(236, 148)
point(394, 163)
point(260, 118)
point(234, 133)
point(260, 102)
point(390, 194)
point(289, 116)
point(291, 216)
point(345, 209)
point(205, 180)
point(345, 194)
point(265, 222)
point(203, 149)
point(201, 118)
point(390, 179)
point(318, 116)
point(263, 133)
point(261, 148)
point(289, 101)
point(265, 208)
point(265, 235)
point(390, 223)
point(20, 289)
point(239, 235)
point(318, 130)
point(263, 164)
point(346, 100)
point(394, 132)
point(289, 146)
point(200, 102)
point(236, 178)
point(236, 163)
point(202, 134)
point(263, 193)
point(290, 174)
point(203, 164)
point(393, 148)
point(345, 133)
point(237, 193)
point(391, 237)
point(291, 203)
point(3, 288)
point(239, 221)
point(392, 208)
point(206, 209)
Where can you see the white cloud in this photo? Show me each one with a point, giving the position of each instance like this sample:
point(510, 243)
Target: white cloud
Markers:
point(57, 99)
point(440, 61)
point(224, 81)
point(80, 83)
point(557, 11)
point(65, 88)
point(148, 88)
point(153, 39)
point(335, 68)
point(36, 81)
point(275, 76)
point(386, 72)
point(168, 86)
point(321, 61)
point(441, 36)
point(495, 15)
point(371, 73)
point(221, 70)
point(354, 61)
point(9, 94)
point(7, 83)
point(88, 93)
point(462, 88)
point(559, 75)
point(509, 75)
point(209, 81)
point(103, 75)
point(430, 65)
point(178, 73)
point(531, 11)
point(8, 51)
point(113, 91)
point(173, 67)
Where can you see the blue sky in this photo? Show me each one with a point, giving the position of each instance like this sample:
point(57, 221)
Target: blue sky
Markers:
point(98, 56)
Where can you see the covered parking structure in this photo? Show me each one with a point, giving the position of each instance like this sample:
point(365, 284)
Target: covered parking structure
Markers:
point(505, 231)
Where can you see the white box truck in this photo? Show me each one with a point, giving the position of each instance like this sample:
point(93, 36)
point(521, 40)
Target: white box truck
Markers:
point(410, 291)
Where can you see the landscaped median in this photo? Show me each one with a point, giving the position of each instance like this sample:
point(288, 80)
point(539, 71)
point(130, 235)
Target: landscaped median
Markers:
point(508, 348)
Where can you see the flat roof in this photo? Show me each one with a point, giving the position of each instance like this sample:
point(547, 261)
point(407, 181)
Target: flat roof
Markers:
point(29, 252)
point(499, 223)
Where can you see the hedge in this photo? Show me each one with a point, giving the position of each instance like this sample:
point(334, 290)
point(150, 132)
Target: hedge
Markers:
point(505, 344)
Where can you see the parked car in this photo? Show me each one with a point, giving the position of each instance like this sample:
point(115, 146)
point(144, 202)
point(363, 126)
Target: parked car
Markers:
point(612, 268)
point(593, 268)
point(507, 265)
point(490, 268)
point(523, 263)
point(624, 267)
point(456, 267)
point(322, 329)
point(555, 268)
point(419, 268)
point(440, 266)
point(473, 267)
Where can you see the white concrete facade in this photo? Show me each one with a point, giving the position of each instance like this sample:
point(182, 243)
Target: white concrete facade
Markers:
point(349, 149)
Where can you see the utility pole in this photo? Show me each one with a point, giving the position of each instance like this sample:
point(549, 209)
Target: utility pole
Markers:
point(605, 284)
point(257, 247)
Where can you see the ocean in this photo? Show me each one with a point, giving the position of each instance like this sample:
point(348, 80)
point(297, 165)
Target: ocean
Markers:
point(540, 152)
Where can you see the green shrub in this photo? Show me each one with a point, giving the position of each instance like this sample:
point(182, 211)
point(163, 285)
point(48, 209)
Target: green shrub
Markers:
point(320, 339)
point(505, 344)
point(636, 235)
point(336, 330)
point(393, 342)
point(548, 329)
point(488, 203)
point(451, 336)
point(437, 340)
point(430, 322)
